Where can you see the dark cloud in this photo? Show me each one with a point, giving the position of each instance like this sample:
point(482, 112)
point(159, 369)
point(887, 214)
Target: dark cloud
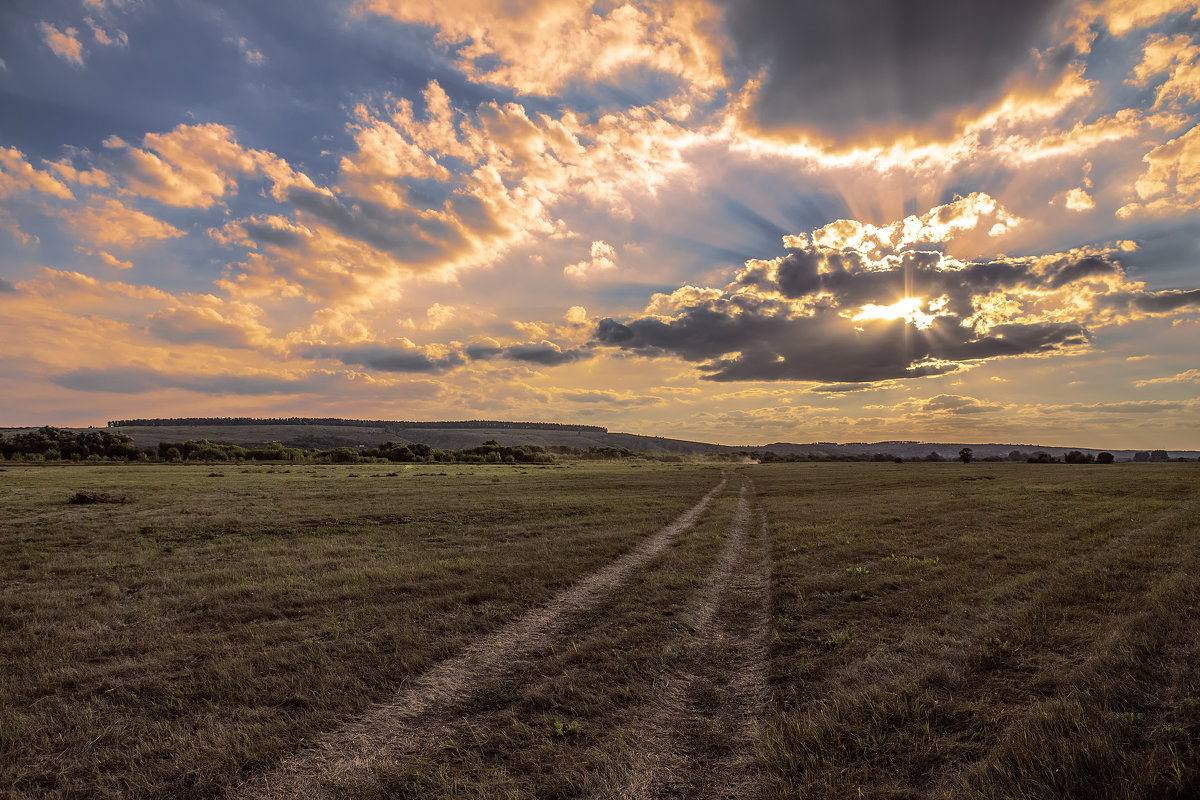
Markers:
point(611, 398)
point(748, 336)
point(6, 287)
point(546, 354)
point(139, 381)
point(1152, 302)
point(1083, 268)
point(389, 359)
point(269, 234)
point(842, 68)
point(482, 352)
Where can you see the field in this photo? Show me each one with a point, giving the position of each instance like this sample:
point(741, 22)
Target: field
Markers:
point(600, 630)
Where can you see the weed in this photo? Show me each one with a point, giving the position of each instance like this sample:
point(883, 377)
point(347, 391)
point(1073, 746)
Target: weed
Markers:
point(858, 571)
point(563, 729)
point(836, 639)
point(915, 561)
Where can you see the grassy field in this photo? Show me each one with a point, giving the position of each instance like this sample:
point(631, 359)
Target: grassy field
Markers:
point(810, 630)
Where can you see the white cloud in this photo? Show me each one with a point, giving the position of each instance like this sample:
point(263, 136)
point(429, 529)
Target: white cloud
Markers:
point(602, 259)
point(63, 43)
point(1079, 200)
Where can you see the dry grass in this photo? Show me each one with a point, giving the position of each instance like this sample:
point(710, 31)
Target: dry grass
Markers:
point(1030, 636)
point(1030, 633)
point(174, 645)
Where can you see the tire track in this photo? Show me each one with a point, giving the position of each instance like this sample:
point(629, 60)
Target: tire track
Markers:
point(701, 738)
point(391, 732)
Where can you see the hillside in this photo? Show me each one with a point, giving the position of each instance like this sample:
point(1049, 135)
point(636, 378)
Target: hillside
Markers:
point(371, 433)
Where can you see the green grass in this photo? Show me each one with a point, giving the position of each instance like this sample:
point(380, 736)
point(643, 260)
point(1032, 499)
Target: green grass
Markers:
point(1034, 635)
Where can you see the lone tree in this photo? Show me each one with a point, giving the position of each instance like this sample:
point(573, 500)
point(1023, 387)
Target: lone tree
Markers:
point(965, 455)
point(1104, 458)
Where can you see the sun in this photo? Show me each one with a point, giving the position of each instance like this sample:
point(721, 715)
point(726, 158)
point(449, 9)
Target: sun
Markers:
point(908, 308)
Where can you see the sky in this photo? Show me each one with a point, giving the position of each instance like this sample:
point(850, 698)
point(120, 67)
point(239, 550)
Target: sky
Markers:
point(732, 221)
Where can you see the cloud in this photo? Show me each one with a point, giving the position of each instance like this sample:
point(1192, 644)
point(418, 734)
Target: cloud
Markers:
point(404, 358)
point(1079, 200)
point(846, 70)
point(18, 176)
point(207, 320)
point(845, 306)
point(483, 352)
point(194, 166)
point(546, 354)
point(1187, 376)
point(1176, 57)
point(113, 223)
point(1123, 16)
point(253, 57)
point(6, 287)
point(447, 190)
point(1171, 182)
point(602, 260)
point(113, 261)
point(544, 46)
point(63, 43)
point(957, 404)
point(118, 37)
point(141, 380)
point(610, 398)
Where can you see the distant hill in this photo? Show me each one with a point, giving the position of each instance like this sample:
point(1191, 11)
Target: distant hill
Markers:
point(326, 433)
point(335, 432)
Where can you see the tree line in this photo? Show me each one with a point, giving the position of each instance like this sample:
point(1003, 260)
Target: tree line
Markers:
point(352, 423)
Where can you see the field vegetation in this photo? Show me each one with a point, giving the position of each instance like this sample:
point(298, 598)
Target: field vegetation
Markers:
point(594, 629)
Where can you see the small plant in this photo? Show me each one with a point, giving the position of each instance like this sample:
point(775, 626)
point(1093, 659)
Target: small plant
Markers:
point(858, 571)
point(1175, 732)
point(1192, 703)
point(915, 561)
point(564, 729)
point(836, 639)
point(1133, 717)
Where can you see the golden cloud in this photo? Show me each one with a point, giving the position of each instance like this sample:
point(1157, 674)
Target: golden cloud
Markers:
point(543, 46)
point(113, 223)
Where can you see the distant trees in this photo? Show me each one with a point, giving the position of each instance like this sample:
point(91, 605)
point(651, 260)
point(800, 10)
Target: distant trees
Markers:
point(1079, 457)
point(52, 444)
point(965, 455)
point(1160, 455)
point(353, 423)
point(1104, 458)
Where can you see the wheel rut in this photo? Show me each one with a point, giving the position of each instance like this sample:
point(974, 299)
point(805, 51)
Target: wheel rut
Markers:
point(411, 722)
point(701, 733)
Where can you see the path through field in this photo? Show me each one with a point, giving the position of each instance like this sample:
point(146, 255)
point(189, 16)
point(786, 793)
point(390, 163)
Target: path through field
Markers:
point(392, 732)
point(700, 733)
